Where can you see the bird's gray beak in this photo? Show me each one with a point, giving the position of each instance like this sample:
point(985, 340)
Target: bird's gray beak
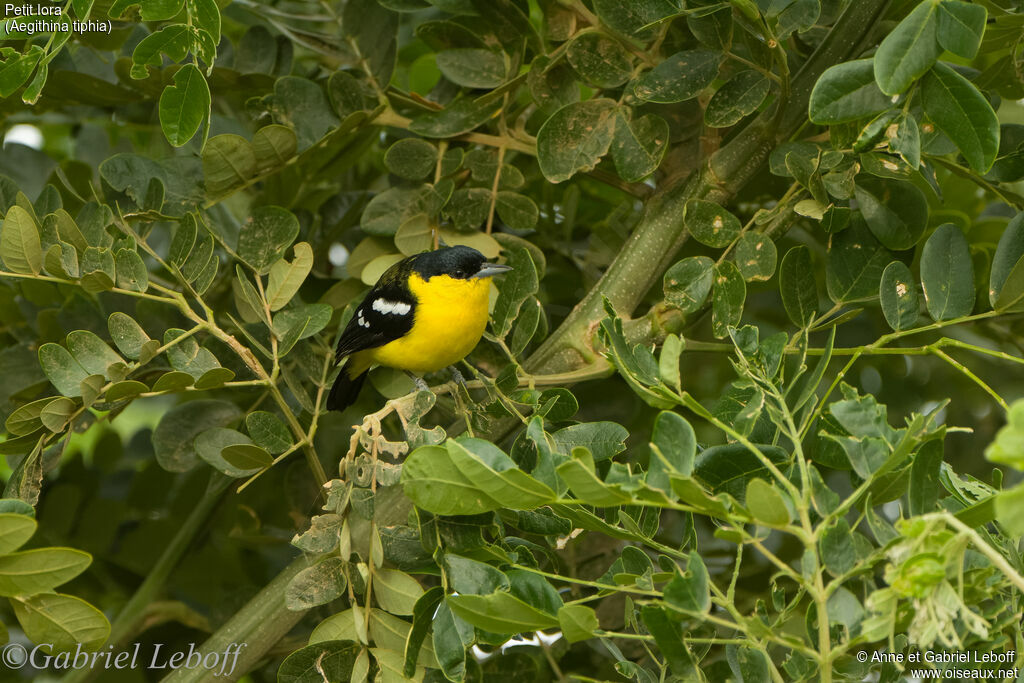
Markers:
point(492, 269)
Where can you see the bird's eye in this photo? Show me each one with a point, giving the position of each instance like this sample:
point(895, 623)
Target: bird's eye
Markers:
point(459, 273)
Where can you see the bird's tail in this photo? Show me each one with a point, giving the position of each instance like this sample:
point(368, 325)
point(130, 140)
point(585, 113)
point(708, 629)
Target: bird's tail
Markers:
point(347, 385)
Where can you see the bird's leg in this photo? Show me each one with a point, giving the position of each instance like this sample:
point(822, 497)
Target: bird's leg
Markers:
point(460, 400)
point(418, 381)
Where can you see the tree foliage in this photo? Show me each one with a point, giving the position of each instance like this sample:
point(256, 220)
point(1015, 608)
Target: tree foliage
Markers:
point(749, 455)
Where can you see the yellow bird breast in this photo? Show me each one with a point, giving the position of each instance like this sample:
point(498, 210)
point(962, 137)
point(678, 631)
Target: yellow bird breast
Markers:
point(450, 317)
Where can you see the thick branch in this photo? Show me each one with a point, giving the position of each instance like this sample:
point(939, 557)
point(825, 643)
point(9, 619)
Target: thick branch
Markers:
point(257, 627)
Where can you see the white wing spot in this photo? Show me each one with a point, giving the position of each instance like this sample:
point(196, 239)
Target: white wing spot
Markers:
point(391, 307)
point(362, 321)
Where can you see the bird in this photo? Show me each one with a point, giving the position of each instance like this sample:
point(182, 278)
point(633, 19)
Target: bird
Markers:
point(425, 313)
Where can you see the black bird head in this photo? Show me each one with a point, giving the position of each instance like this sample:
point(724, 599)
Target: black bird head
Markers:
point(461, 263)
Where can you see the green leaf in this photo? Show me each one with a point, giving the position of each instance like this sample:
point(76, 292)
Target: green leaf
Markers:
point(132, 273)
point(667, 634)
point(679, 77)
point(496, 475)
point(710, 224)
point(127, 335)
point(387, 211)
point(747, 663)
point(25, 419)
point(673, 449)
point(205, 14)
point(470, 577)
point(317, 585)
point(766, 503)
point(30, 572)
point(688, 283)
point(247, 457)
point(174, 434)
point(187, 355)
point(739, 96)
point(600, 61)
point(433, 482)
point(460, 116)
point(906, 142)
point(300, 322)
point(91, 352)
point(578, 622)
point(301, 104)
point(604, 440)
point(517, 211)
point(728, 468)
point(61, 368)
point(15, 530)
point(855, 264)
point(634, 17)
point(472, 67)
point(499, 613)
point(897, 292)
point(395, 591)
point(98, 270)
point(173, 40)
point(452, 636)
point(228, 161)
point(1008, 446)
point(20, 247)
point(185, 105)
point(756, 256)
point(712, 28)
point(947, 274)
point(515, 287)
point(331, 660)
point(151, 10)
point(411, 158)
point(286, 277)
point(729, 296)
point(639, 145)
point(909, 50)
point(126, 389)
point(268, 431)
point(273, 146)
point(690, 592)
point(580, 476)
point(956, 108)
point(961, 27)
point(16, 69)
point(211, 442)
point(1009, 510)
point(61, 622)
point(575, 138)
point(847, 92)
point(56, 414)
point(923, 493)
point(263, 238)
point(895, 211)
point(836, 547)
point(1006, 279)
point(61, 260)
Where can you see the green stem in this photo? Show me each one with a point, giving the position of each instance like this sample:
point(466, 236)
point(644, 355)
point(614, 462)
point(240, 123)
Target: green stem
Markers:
point(257, 627)
point(128, 619)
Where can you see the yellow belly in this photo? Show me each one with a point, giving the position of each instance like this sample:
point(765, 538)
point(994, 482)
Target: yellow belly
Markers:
point(451, 315)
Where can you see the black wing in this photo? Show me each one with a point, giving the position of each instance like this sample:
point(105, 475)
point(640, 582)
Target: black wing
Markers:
point(386, 314)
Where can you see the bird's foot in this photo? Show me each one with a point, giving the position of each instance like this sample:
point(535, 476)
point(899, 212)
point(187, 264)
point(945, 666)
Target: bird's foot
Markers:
point(421, 385)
